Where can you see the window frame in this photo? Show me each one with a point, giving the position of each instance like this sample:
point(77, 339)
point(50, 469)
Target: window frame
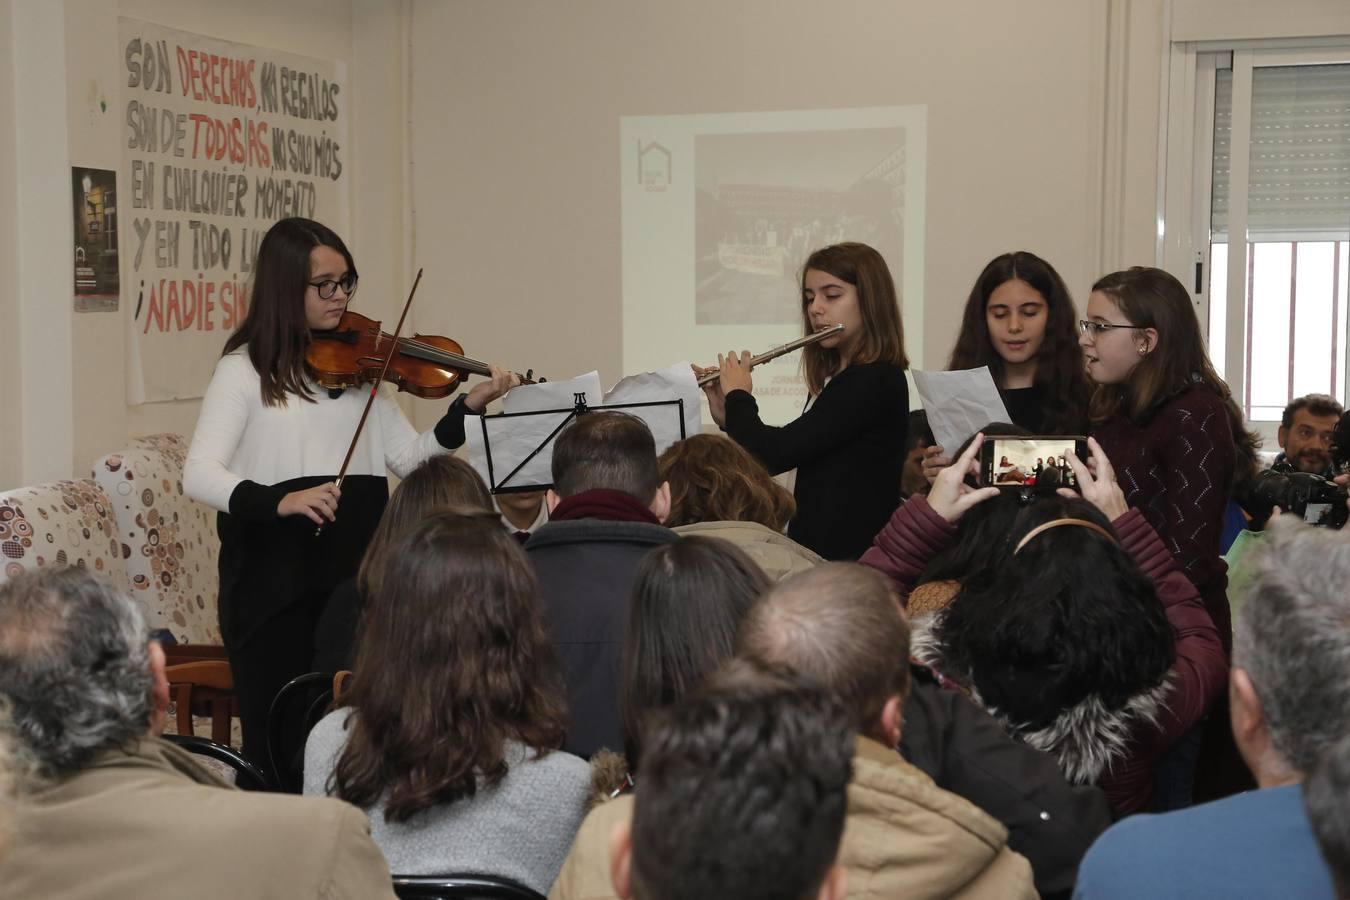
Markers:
point(1185, 195)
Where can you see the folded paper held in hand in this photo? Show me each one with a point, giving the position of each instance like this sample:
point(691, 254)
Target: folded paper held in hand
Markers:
point(959, 404)
point(513, 451)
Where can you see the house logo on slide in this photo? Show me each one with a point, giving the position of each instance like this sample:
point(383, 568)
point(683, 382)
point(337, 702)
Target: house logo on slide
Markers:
point(653, 166)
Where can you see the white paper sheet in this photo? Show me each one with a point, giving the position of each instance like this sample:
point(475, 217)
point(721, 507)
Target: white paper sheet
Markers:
point(513, 438)
point(959, 404)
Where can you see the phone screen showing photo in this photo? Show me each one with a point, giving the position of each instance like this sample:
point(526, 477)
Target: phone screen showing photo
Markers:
point(1041, 463)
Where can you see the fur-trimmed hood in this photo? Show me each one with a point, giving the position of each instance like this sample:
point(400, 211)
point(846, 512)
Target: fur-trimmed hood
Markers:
point(1086, 738)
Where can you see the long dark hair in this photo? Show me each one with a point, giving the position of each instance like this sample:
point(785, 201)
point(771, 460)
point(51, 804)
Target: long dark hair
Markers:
point(1153, 298)
point(275, 329)
point(1068, 616)
point(1059, 361)
point(438, 483)
point(689, 598)
point(883, 335)
point(452, 661)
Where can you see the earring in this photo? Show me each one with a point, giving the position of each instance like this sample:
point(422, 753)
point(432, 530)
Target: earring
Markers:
point(1143, 351)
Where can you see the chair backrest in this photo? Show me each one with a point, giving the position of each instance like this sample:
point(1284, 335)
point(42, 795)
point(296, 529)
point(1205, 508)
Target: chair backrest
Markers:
point(247, 776)
point(295, 710)
point(168, 539)
point(461, 887)
point(60, 523)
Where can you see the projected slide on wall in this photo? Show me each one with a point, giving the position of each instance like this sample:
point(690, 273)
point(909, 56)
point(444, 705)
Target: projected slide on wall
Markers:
point(721, 211)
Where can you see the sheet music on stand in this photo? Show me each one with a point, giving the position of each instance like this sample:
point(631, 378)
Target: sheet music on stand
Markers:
point(513, 450)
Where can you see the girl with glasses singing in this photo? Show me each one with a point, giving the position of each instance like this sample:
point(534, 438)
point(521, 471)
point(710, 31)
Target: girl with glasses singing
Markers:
point(1019, 321)
point(1166, 420)
point(268, 446)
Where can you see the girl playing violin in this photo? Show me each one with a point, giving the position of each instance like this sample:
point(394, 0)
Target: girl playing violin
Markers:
point(268, 446)
point(848, 446)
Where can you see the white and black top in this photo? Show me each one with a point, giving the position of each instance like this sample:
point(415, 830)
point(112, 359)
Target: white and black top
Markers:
point(246, 456)
point(243, 449)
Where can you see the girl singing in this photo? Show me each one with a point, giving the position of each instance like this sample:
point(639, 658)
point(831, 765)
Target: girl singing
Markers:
point(1019, 321)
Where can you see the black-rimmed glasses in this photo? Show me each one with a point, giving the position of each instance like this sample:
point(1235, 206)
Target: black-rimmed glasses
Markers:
point(328, 287)
point(1097, 329)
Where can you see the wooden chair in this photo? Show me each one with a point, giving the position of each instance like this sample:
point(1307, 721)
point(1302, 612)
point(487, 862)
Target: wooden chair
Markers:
point(203, 687)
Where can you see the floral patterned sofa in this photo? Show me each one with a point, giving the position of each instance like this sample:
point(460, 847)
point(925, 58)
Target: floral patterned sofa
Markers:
point(132, 522)
point(168, 540)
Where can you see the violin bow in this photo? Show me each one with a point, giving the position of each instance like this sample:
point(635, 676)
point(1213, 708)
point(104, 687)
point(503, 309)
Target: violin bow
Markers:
point(374, 388)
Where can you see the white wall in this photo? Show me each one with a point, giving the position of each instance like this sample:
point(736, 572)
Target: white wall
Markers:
point(11, 388)
point(488, 130)
point(59, 88)
point(516, 109)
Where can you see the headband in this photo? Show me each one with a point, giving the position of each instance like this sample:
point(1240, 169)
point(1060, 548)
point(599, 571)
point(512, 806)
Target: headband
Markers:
point(1055, 523)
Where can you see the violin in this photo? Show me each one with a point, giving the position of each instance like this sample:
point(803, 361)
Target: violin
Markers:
point(357, 351)
point(425, 365)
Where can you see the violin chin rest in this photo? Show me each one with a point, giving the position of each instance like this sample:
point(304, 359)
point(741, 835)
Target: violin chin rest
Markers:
point(334, 393)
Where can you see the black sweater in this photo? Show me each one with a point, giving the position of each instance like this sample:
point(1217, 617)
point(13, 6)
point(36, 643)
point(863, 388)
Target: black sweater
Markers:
point(848, 449)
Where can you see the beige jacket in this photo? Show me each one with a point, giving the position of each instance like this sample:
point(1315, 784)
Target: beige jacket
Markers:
point(152, 824)
point(777, 554)
point(904, 837)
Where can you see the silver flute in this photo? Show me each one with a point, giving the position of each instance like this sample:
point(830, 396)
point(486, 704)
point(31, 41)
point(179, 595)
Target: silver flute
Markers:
point(710, 376)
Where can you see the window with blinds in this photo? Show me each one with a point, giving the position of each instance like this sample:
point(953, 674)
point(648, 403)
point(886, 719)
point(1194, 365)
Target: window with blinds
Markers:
point(1298, 235)
point(1299, 177)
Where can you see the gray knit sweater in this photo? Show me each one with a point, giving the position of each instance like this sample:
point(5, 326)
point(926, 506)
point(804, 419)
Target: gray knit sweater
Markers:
point(521, 829)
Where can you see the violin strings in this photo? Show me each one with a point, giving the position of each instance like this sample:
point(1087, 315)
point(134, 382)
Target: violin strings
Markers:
point(444, 354)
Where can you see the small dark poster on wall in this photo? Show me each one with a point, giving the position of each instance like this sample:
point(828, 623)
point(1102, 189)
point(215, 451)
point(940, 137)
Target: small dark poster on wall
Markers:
point(94, 192)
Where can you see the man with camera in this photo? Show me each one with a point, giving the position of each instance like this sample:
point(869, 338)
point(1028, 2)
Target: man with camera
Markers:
point(1306, 434)
point(1303, 479)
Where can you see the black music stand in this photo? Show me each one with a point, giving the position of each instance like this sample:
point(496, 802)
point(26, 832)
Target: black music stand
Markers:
point(513, 467)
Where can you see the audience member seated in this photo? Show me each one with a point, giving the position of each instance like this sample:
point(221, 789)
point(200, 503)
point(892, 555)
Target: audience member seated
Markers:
point(840, 625)
point(717, 489)
point(1306, 434)
point(688, 602)
point(523, 512)
point(455, 709)
point(440, 482)
point(1326, 799)
point(1066, 640)
point(744, 796)
point(605, 513)
point(1290, 703)
point(119, 813)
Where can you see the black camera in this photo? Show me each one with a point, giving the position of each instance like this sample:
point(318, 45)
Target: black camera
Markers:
point(1314, 498)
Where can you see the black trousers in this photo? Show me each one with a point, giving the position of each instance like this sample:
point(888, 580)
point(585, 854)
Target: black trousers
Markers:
point(275, 579)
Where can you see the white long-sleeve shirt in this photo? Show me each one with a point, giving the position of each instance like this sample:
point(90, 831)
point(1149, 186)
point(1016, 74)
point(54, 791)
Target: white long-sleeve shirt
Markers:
point(239, 438)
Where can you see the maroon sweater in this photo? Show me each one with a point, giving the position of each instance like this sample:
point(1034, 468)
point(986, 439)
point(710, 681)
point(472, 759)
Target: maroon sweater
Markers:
point(1175, 468)
point(916, 534)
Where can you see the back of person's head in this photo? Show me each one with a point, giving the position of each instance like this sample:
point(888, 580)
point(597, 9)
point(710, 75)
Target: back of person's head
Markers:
point(1326, 797)
point(1062, 614)
point(840, 624)
point(714, 479)
point(689, 598)
point(606, 450)
point(1292, 642)
point(438, 483)
point(74, 667)
point(743, 794)
point(452, 660)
